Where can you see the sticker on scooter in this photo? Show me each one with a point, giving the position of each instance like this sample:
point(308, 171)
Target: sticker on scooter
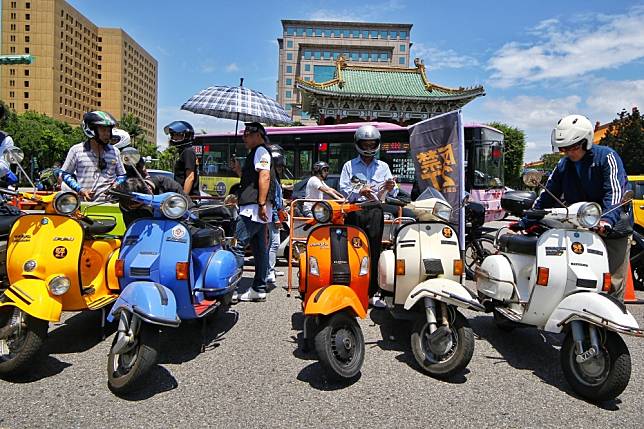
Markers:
point(22, 238)
point(356, 242)
point(577, 248)
point(555, 251)
point(447, 232)
point(595, 252)
point(60, 252)
point(178, 232)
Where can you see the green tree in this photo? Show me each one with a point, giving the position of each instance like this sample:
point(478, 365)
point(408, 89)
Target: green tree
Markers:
point(132, 124)
point(167, 159)
point(514, 142)
point(626, 135)
point(41, 137)
point(549, 161)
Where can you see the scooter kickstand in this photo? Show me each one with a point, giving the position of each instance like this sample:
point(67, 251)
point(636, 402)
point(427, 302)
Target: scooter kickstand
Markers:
point(203, 335)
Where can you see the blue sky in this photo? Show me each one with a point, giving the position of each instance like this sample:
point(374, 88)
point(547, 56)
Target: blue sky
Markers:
point(538, 60)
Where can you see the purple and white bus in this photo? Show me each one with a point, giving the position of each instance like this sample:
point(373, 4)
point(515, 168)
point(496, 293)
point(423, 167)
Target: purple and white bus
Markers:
point(334, 144)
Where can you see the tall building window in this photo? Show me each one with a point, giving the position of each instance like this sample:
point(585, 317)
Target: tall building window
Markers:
point(374, 56)
point(317, 55)
point(26, 72)
point(403, 34)
point(27, 5)
point(356, 34)
point(26, 50)
point(12, 38)
point(288, 94)
point(374, 34)
point(27, 39)
point(13, 15)
point(27, 16)
point(27, 27)
point(401, 60)
point(26, 106)
point(327, 55)
point(290, 31)
point(289, 43)
point(289, 56)
point(364, 56)
point(13, 4)
point(393, 34)
point(26, 94)
point(26, 84)
point(12, 94)
point(309, 32)
point(307, 67)
point(12, 49)
point(318, 32)
point(383, 34)
point(307, 55)
point(289, 69)
point(289, 81)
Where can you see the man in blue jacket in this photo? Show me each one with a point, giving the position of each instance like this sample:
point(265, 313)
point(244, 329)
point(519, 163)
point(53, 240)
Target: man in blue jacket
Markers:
point(591, 173)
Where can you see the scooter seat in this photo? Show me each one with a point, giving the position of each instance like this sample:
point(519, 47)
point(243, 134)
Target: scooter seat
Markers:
point(203, 237)
point(6, 222)
point(514, 243)
point(217, 212)
point(99, 227)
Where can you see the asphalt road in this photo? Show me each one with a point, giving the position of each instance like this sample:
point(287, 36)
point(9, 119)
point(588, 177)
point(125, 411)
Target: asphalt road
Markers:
point(253, 375)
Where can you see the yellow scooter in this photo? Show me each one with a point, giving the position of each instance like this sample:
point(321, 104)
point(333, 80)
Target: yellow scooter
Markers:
point(56, 261)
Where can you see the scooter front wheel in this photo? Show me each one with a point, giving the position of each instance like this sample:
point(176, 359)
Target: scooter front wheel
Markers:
point(457, 353)
point(602, 377)
point(340, 346)
point(126, 368)
point(21, 337)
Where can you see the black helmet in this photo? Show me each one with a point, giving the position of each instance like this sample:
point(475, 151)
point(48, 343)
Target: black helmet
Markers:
point(277, 155)
point(93, 119)
point(180, 127)
point(319, 166)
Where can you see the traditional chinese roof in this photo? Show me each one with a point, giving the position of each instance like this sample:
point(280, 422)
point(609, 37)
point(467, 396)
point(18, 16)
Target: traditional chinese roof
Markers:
point(382, 82)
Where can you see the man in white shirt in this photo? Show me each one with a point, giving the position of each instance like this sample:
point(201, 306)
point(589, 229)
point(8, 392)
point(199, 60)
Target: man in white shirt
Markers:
point(316, 188)
point(255, 196)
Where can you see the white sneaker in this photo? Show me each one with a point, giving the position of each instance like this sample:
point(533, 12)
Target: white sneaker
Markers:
point(252, 295)
point(377, 301)
point(280, 273)
point(270, 278)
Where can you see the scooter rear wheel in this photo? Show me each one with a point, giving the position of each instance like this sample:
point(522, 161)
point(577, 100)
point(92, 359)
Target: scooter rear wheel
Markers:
point(21, 337)
point(603, 377)
point(126, 369)
point(340, 346)
point(457, 357)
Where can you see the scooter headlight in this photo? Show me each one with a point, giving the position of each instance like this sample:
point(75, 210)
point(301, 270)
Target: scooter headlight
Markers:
point(442, 211)
point(174, 207)
point(66, 203)
point(321, 212)
point(59, 285)
point(589, 215)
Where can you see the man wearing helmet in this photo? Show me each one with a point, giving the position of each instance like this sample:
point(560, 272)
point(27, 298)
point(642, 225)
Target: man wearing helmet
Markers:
point(590, 173)
point(316, 188)
point(95, 163)
point(379, 184)
point(186, 170)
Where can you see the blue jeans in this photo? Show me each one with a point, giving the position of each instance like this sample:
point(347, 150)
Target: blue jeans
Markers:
point(274, 244)
point(256, 234)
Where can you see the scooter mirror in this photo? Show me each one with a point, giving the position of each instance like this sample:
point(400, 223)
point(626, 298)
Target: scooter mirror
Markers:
point(627, 196)
point(532, 177)
point(14, 155)
point(130, 156)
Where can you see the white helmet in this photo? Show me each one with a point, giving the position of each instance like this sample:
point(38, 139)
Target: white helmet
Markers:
point(367, 132)
point(571, 130)
point(120, 138)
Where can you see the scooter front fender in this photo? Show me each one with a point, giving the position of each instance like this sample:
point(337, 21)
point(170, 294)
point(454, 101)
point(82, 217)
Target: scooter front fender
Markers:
point(32, 296)
point(445, 290)
point(596, 308)
point(332, 299)
point(151, 301)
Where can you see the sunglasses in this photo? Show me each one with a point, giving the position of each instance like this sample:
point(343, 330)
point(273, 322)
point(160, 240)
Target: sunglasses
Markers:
point(569, 148)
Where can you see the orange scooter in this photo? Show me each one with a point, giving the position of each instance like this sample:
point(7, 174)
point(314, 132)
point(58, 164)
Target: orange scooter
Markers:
point(334, 287)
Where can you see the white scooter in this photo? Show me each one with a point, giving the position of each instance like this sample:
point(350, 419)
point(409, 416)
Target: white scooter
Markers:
point(423, 273)
point(557, 282)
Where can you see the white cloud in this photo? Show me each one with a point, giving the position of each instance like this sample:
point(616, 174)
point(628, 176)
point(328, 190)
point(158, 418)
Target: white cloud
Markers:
point(528, 112)
point(208, 68)
point(571, 49)
point(232, 67)
point(441, 59)
point(608, 98)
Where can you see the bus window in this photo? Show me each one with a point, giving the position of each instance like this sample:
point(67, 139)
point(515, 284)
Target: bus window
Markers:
point(338, 154)
point(306, 161)
point(215, 161)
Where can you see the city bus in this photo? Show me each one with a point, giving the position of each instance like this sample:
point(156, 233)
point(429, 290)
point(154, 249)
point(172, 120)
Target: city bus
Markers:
point(304, 145)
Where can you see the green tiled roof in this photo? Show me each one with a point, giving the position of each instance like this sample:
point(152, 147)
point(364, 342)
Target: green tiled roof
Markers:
point(386, 82)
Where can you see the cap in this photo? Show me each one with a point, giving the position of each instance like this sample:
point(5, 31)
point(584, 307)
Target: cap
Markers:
point(255, 127)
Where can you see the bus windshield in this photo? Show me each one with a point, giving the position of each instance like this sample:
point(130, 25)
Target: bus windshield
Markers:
point(487, 159)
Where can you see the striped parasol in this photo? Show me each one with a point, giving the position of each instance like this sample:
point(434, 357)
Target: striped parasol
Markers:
point(237, 102)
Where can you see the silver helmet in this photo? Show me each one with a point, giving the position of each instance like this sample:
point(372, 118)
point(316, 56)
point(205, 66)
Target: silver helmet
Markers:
point(367, 132)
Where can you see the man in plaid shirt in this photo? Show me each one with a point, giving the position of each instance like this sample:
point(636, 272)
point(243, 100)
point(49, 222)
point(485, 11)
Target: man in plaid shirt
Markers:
point(95, 163)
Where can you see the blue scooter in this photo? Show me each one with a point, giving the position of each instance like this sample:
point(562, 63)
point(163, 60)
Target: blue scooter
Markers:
point(172, 267)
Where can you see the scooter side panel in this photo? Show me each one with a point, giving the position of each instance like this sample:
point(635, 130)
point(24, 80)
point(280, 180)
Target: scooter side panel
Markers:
point(562, 251)
point(55, 243)
point(33, 297)
point(151, 249)
point(93, 266)
point(499, 285)
point(590, 306)
point(417, 242)
point(215, 268)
